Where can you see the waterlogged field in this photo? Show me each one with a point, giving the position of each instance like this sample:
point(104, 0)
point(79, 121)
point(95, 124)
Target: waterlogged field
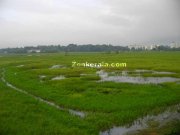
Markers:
point(44, 94)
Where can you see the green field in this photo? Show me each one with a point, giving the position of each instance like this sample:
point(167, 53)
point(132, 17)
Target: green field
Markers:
point(105, 104)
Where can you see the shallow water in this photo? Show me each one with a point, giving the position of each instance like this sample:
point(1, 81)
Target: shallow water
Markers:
point(61, 77)
point(86, 74)
point(125, 78)
point(142, 123)
point(71, 111)
point(56, 66)
point(42, 76)
point(152, 71)
point(20, 66)
point(167, 73)
point(78, 113)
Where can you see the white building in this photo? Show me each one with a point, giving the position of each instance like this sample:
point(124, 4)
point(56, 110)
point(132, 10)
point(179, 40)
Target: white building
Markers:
point(34, 50)
point(174, 45)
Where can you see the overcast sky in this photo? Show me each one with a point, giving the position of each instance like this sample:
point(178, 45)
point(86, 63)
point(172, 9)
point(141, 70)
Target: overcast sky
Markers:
point(117, 22)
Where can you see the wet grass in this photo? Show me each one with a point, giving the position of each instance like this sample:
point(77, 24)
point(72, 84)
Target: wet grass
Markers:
point(171, 128)
point(106, 103)
point(23, 115)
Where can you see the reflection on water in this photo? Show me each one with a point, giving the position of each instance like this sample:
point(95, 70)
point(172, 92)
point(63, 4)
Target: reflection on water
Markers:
point(142, 123)
point(124, 77)
point(78, 113)
point(152, 71)
point(20, 66)
point(56, 66)
point(42, 76)
point(61, 77)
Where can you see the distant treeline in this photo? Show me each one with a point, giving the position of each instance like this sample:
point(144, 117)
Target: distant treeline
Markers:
point(80, 48)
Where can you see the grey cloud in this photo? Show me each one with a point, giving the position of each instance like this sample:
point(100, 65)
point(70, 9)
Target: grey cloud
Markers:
point(25, 22)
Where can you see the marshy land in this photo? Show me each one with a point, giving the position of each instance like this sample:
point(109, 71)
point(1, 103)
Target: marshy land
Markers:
point(43, 94)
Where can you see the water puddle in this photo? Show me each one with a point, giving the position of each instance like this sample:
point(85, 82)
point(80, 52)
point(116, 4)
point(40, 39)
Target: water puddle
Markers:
point(126, 78)
point(78, 113)
point(152, 71)
point(167, 73)
point(86, 74)
point(144, 123)
point(42, 76)
point(61, 77)
point(56, 66)
point(83, 74)
point(20, 66)
point(71, 111)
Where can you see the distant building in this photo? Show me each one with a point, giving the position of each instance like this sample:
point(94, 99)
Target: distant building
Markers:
point(174, 45)
point(142, 47)
point(34, 51)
